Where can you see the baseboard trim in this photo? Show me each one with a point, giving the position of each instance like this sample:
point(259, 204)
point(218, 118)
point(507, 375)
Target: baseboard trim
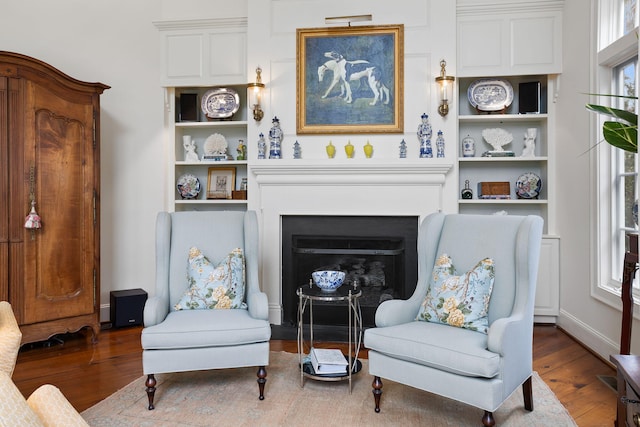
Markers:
point(105, 313)
point(588, 337)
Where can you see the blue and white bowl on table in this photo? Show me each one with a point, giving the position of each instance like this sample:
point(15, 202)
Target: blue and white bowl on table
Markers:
point(328, 280)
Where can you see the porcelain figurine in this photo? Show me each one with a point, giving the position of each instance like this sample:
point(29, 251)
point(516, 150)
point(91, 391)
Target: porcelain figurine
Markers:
point(275, 138)
point(530, 143)
point(262, 146)
point(241, 151)
point(403, 149)
point(424, 136)
point(297, 151)
point(440, 145)
point(189, 145)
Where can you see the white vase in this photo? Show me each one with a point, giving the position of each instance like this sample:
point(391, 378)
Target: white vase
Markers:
point(468, 146)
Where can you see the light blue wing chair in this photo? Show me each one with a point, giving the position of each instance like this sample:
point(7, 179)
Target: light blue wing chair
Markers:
point(479, 369)
point(192, 340)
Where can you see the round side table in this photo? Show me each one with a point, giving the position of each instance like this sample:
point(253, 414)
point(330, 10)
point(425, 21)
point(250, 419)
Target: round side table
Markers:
point(307, 294)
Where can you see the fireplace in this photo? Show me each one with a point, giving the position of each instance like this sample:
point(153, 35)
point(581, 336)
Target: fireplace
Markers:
point(377, 252)
point(315, 188)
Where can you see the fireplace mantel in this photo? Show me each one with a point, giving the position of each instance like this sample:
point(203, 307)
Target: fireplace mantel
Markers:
point(370, 172)
point(358, 187)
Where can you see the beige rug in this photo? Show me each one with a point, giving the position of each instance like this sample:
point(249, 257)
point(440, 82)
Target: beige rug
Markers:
point(230, 398)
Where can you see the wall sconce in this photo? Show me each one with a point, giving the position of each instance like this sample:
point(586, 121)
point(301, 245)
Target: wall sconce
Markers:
point(445, 86)
point(255, 95)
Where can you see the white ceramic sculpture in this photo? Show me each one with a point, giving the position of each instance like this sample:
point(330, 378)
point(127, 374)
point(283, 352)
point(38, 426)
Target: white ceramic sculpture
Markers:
point(529, 142)
point(215, 145)
point(189, 145)
point(497, 138)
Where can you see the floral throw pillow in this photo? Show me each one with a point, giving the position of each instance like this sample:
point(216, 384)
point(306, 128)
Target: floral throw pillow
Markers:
point(459, 300)
point(214, 287)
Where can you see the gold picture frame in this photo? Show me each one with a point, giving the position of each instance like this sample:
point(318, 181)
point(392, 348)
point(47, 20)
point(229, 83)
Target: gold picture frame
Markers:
point(350, 80)
point(221, 182)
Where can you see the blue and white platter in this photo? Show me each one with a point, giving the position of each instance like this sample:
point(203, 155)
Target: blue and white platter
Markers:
point(490, 94)
point(220, 103)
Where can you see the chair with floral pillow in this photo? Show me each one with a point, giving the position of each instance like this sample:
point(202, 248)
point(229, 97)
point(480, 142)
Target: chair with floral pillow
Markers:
point(465, 333)
point(208, 311)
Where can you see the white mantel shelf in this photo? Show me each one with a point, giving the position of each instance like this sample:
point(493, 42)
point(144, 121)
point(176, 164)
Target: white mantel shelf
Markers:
point(370, 172)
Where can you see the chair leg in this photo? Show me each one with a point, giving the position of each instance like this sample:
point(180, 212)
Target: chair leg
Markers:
point(262, 379)
point(151, 389)
point(488, 420)
point(528, 394)
point(377, 391)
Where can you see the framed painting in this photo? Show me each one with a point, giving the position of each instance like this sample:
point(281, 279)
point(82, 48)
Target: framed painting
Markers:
point(350, 80)
point(221, 182)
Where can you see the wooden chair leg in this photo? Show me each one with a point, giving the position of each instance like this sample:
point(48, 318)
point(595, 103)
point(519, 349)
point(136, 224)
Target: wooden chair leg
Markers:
point(528, 394)
point(488, 420)
point(262, 379)
point(377, 391)
point(151, 389)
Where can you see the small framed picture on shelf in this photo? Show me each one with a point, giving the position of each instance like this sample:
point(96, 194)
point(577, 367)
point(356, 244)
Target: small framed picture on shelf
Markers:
point(221, 182)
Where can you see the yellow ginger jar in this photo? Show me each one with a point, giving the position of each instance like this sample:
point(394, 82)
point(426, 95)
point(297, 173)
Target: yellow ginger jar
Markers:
point(349, 150)
point(368, 150)
point(331, 150)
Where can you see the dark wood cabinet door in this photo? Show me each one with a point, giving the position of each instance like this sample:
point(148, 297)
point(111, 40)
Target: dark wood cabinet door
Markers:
point(60, 264)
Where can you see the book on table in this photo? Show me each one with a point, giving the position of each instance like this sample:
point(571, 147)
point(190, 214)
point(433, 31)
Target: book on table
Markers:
point(328, 361)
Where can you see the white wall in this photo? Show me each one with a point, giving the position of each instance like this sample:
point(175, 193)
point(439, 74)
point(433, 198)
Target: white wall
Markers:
point(591, 321)
point(115, 42)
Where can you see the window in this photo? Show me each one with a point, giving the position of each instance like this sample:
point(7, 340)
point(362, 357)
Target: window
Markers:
point(629, 16)
point(625, 170)
point(617, 170)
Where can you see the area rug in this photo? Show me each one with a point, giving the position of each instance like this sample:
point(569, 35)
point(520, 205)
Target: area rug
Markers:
point(230, 398)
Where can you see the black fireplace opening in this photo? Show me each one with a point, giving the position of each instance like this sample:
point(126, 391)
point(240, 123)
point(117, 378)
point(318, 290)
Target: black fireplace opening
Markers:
point(379, 253)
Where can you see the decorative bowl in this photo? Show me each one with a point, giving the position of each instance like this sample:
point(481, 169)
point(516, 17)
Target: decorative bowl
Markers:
point(328, 280)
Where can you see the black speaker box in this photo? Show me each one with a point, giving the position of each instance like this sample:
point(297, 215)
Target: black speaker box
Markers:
point(188, 107)
point(529, 97)
point(127, 307)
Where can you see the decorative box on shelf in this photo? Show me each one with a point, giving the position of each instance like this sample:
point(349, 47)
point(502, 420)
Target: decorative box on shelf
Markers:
point(494, 190)
point(239, 194)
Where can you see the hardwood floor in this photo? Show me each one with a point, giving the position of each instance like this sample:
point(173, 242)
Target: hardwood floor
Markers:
point(87, 373)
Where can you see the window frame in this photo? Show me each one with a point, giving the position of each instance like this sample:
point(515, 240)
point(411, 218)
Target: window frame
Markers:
point(610, 52)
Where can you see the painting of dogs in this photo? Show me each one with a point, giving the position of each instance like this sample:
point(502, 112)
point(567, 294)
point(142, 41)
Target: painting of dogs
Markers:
point(349, 79)
point(344, 72)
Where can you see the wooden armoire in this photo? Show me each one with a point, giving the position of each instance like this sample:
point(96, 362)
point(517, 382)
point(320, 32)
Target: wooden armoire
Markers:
point(49, 154)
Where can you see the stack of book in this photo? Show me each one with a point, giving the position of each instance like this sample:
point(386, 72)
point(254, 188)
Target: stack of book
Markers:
point(328, 361)
point(498, 154)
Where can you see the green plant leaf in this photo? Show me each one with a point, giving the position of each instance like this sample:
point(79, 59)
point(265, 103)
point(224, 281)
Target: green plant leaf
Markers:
point(621, 135)
point(625, 115)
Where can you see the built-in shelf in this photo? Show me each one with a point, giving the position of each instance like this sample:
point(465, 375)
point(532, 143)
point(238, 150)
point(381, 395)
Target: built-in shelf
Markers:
point(233, 129)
